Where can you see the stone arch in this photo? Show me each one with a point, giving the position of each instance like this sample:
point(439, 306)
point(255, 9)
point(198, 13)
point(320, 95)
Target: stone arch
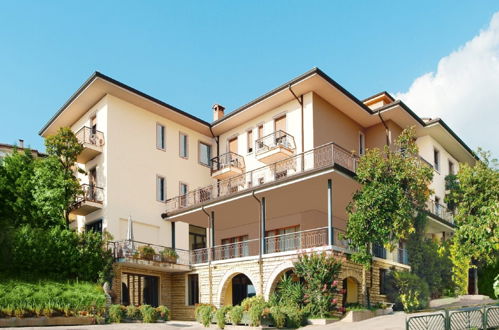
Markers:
point(275, 276)
point(227, 280)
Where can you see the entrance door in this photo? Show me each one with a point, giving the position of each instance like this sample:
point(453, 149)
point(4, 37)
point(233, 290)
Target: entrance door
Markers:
point(242, 288)
point(233, 145)
point(139, 289)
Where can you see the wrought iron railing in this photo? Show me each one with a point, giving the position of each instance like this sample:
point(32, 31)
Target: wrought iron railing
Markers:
point(317, 158)
point(90, 193)
point(229, 159)
point(298, 240)
point(136, 250)
point(88, 135)
point(278, 139)
point(440, 211)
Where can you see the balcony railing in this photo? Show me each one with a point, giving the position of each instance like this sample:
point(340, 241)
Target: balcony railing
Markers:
point(296, 241)
point(229, 159)
point(278, 139)
point(440, 211)
point(136, 250)
point(90, 193)
point(321, 157)
point(87, 135)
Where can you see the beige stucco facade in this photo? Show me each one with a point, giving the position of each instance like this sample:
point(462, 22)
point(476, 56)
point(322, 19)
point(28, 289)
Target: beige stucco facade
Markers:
point(329, 128)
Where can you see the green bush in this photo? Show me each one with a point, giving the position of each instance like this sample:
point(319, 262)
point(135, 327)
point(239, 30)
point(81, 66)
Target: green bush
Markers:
point(254, 306)
point(133, 312)
point(486, 277)
point(496, 286)
point(57, 253)
point(407, 290)
point(294, 316)
point(236, 315)
point(163, 312)
point(320, 272)
point(116, 313)
point(289, 292)
point(221, 316)
point(247, 303)
point(204, 314)
point(278, 316)
point(50, 298)
point(149, 314)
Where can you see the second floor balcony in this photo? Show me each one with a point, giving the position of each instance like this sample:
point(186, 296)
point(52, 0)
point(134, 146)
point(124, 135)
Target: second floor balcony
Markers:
point(274, 147)
point(227, 165)
point(92, 142)
point(440, 211)
point(89, 200)
point(318, 158)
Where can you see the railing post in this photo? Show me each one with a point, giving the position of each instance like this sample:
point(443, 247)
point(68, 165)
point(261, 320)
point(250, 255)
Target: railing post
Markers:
point(330, 233)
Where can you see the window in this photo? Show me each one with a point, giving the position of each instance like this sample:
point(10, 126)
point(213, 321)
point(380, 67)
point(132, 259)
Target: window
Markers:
point(451, 168)
point(160, 137)
point(436, 159)
point(160, 189)
point(250, 141)
point(193, 289)
point(283, 239)
point(280, 124)
point(183, 145)
point(437, 206)
point(382, 281)
point(204, 153)
point(260, 131)
point(93, 124)
point(362, 143)
point(183, 194)
point(235, 247)
point(95, 226)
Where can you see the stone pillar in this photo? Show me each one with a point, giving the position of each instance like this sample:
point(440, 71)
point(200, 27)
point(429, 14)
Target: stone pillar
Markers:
point(330, 230)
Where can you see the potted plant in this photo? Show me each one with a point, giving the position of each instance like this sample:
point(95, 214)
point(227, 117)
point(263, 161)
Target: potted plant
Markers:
point(169, 255)
point(146, 252)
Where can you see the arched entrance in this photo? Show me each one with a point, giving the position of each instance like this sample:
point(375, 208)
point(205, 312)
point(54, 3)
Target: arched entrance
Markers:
point(239, 288)
point(351, 293)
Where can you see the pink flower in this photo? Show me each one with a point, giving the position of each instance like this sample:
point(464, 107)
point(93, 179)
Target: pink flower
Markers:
point(335, 283)
point(342, 309)
point(334, 301)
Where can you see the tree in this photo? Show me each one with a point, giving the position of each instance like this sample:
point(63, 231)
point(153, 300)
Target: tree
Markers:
point(56, 183)
point(391, 202)
point(474, 192)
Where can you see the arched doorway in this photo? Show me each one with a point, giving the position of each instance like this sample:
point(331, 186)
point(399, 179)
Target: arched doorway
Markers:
point(351, 291)
point(239, 289)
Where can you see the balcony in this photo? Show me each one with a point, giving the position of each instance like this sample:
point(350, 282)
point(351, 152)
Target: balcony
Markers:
point(440, 211)
point(92, 142)
point(285, 243)
point(318, 158)
point(150, 256)
point(89, 200)
point(274, 147)
point(227, 165)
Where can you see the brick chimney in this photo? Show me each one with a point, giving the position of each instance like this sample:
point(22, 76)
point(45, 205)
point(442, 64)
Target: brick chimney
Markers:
point(218, 111)
point(21, 143)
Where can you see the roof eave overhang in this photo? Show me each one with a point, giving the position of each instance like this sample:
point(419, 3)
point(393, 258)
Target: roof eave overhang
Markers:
point(98, 86)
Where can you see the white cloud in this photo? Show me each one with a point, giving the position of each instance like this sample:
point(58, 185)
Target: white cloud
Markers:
point(464, 90)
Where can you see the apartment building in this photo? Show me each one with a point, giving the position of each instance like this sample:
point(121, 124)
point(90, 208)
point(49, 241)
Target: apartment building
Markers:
point(7, 149)
point(239, 198)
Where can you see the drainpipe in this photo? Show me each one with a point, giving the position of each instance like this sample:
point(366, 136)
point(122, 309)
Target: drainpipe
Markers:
point(208, 242)
point(262, 244)
point(217, 140)
point(386, 129)
point(300, 100)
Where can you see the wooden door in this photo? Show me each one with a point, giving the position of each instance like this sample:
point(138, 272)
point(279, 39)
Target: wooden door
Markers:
point(233, 145)
point(280, 124)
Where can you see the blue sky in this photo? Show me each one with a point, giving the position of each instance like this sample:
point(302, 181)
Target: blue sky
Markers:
point(192, 54)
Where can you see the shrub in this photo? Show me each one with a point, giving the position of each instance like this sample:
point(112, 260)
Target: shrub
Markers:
point(50, 298)
point(496, 286)
point(168, 254)
point(320, 272)
point(247, 303)
point(487, 274)
point(133, 312)
point(407, 290)
point(236, 315)
point(221, 316)
point(254, 306)
point(116, 313)
point(163, 312)
point(294, 316)
point(289, 292)
point(278, 316)
point(204, 314)
point(149, 314)
point(146, 252)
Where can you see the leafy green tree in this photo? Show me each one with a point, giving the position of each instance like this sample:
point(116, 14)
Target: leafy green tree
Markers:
point(56, 184)
point(391, 202)
point(474, 192)
point(16, 183)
